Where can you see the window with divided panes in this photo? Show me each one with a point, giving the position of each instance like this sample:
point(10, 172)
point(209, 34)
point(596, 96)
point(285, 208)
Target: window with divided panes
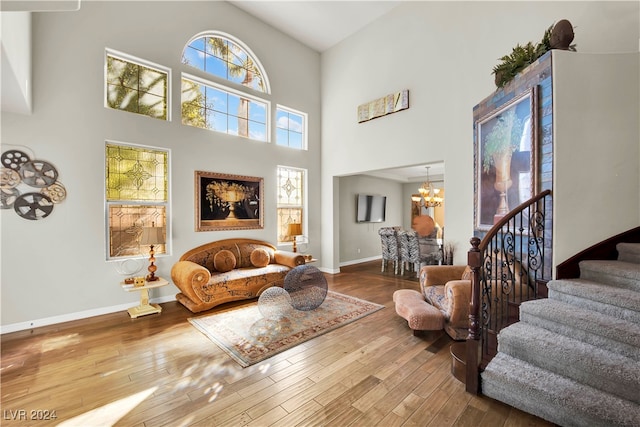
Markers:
point(290, 200)
point(137, 196)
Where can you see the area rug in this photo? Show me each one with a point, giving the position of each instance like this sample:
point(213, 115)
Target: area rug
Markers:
point(249, 337)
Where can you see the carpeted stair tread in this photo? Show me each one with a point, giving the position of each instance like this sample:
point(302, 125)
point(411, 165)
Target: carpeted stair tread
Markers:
point(612, 272)
point(617, 335)
point(610, 300)
point(574, 358)
point(554, 397)
point(594, 366)
point(629, 252)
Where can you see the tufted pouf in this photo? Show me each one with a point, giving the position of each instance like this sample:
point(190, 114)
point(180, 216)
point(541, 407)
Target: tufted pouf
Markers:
point(420, 315)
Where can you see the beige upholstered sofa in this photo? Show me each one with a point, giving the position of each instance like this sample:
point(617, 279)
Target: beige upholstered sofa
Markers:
point(230, 270)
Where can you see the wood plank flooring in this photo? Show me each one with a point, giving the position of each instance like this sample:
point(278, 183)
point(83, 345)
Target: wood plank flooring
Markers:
point(158, 370)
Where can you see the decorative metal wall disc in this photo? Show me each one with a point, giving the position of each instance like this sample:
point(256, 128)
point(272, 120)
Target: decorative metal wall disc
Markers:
point(13, 159)
point(38, 173)
point(55, 192)
point(17, 172)
point(9, 178)
point(33, 206)
point(7, 197)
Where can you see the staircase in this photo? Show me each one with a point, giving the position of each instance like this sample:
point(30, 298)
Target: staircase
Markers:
point(574, 357)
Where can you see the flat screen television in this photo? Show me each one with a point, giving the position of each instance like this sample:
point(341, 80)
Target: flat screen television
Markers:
point(370, 208)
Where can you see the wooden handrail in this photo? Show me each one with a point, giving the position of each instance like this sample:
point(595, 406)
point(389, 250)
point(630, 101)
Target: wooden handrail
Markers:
point(498, 226)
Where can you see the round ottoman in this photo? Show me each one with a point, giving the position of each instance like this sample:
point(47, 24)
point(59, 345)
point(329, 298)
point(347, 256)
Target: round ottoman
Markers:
point(307, 287)
point(420, 315)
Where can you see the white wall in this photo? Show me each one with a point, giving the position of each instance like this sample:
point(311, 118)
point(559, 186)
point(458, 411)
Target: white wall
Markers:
point(361, 241)
point(596, 148)
point(443, 52)
point(54, 269)
point(16, 62)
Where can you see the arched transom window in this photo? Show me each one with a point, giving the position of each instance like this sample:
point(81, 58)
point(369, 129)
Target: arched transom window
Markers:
point(228, 106)
point(220, 55)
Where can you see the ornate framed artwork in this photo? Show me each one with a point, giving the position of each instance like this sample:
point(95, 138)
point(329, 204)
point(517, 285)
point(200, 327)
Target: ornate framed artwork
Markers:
point(228, 202)
point(505, 158)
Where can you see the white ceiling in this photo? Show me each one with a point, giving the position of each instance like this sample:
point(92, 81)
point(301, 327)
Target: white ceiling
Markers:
point(39, 5)
point(417, 173)
point(318, 24)
point(323, 24)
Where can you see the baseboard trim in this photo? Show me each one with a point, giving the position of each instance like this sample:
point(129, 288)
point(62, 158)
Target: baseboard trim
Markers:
point(329, 270)
point(47, 321)
point(361, 260)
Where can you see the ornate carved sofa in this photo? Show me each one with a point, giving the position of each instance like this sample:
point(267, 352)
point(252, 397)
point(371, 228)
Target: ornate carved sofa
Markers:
point(230, 270)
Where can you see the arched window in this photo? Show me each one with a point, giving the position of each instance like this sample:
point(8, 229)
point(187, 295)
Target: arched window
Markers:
point(211, 105)
point(221, 55)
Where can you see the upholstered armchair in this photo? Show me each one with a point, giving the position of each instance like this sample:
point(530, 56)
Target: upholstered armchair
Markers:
point(448, 288)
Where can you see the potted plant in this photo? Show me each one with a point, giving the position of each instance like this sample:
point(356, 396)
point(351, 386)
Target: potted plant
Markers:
point(501, 141)
point(499, 144)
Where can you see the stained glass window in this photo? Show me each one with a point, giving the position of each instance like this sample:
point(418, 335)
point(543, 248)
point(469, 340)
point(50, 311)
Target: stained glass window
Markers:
point(137, 196)
point(291, 200)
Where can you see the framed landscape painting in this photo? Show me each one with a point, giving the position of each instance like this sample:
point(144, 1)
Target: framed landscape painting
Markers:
point(505, 159)
point(228, 202)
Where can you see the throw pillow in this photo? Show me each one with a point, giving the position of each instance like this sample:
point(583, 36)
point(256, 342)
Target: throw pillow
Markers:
point(224, 261)
point(260, 257)
point(466, 275)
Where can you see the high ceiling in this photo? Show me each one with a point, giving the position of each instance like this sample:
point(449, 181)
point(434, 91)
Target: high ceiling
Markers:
point(318, 24)
point(323, 24)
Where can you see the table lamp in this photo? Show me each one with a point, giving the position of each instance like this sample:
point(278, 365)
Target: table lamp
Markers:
point(152, 236)
point(295, 230)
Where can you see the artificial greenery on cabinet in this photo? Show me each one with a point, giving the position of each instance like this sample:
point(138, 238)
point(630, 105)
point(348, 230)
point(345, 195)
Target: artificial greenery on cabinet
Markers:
point(558, 36)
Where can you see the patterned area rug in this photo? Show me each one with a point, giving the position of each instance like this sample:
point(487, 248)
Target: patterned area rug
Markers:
point(249, 337)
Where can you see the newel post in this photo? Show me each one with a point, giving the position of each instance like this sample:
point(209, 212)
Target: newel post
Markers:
point(474, 260)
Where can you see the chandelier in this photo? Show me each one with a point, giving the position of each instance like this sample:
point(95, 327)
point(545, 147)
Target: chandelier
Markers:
point(428, 194)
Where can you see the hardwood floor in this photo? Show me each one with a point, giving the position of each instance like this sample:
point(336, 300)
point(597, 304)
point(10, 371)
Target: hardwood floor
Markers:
point(158, 370)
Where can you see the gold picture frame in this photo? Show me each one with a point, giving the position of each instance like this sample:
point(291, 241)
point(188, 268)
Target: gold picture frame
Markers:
point(228, 202)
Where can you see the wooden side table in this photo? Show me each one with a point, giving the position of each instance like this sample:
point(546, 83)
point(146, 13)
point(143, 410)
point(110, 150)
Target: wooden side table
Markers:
point(144, 308)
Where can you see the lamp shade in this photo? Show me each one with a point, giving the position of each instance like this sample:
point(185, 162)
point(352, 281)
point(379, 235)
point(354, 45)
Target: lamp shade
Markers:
point(295, 229)
point(152, 236)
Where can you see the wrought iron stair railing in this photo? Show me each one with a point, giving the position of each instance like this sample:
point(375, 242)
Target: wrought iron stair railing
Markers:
point(510, 265)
